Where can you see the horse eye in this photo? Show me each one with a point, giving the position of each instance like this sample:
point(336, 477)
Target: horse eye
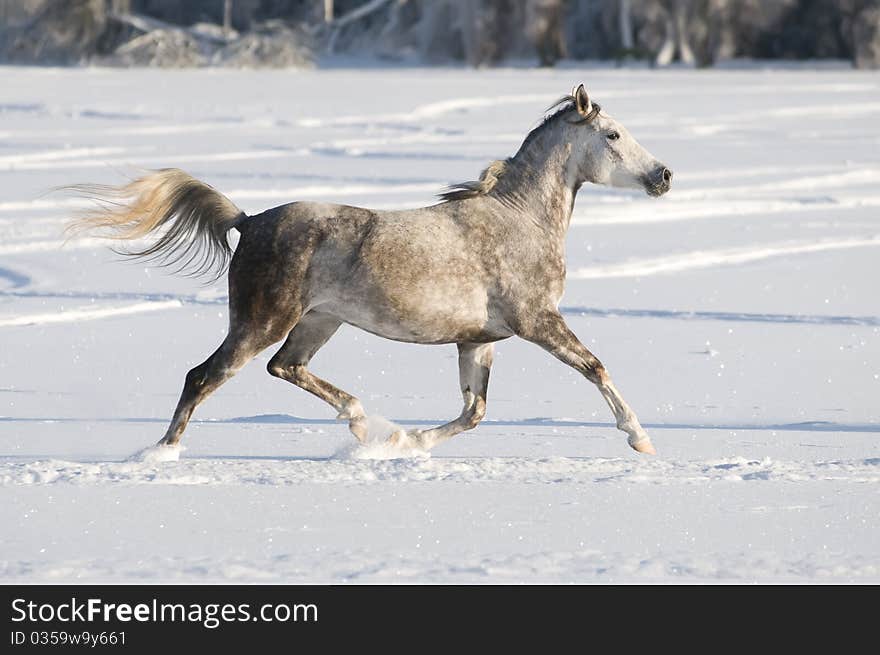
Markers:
point(613, 136)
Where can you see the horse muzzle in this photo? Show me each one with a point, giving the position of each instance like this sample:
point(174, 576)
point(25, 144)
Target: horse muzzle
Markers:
point(658, 181)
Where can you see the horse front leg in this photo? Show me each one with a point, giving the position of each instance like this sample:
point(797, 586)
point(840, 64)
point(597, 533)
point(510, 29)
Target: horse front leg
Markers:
point(474, 364)
point(291, 361)
point(551, 333)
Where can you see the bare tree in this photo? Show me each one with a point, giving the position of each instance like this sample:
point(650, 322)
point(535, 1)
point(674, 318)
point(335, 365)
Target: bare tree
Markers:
point(625, 23)
point(676, 41)
point(120, 7)
point(544, 22)
point(227, 17)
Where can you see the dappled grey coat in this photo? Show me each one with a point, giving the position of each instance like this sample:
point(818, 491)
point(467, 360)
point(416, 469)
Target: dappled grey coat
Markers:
point(485, 264)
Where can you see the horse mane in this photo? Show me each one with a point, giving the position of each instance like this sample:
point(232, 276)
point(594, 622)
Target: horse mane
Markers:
point(495, 170)
point(488, 180)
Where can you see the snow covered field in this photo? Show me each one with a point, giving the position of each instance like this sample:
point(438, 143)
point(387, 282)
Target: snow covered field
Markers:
point(739, 316)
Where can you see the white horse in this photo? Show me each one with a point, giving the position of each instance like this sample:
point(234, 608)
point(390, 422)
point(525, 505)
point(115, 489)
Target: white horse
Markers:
point(485, 264)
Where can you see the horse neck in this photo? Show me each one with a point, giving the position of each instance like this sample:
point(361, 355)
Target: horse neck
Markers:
point(540, 184)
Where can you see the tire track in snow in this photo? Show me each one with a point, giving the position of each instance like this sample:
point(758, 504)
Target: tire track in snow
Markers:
point(40, 203)
point(711, 258)
point(59, 245)
point(88, 313)
point(244, 155)
point(27, 159)
point(291, 194)
point(868, 176)
point(425, 111)
point(422, 112)
point(538, 422)
point(673, 209)
point(14, 279)
point(736, 317)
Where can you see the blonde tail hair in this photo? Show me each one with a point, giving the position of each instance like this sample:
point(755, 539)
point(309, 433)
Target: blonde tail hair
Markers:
point(194, 218)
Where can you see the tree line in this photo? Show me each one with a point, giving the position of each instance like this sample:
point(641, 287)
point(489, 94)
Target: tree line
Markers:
point(476, 32)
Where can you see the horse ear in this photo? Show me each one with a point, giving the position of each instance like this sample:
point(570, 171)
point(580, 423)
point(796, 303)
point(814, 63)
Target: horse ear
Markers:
point(582, 100)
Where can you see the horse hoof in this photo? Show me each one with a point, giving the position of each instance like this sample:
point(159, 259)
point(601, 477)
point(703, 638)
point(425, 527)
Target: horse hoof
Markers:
point(404, 440)
point(644, 446)
point(358, 427)
point(396, 439)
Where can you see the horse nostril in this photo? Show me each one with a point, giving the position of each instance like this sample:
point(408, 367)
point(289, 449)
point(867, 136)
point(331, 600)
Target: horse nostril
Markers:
point(667, 175)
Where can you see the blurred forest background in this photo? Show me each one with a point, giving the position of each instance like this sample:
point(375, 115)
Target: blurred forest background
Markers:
point(294, 33)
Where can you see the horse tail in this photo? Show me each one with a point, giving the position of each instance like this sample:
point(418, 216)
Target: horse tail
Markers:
point(192, 217)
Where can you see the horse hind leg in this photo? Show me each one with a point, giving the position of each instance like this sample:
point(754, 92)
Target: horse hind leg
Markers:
point(474, 364)
point(260, 313)
point(291, 361)
point(240, 346)
point(203, 380)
